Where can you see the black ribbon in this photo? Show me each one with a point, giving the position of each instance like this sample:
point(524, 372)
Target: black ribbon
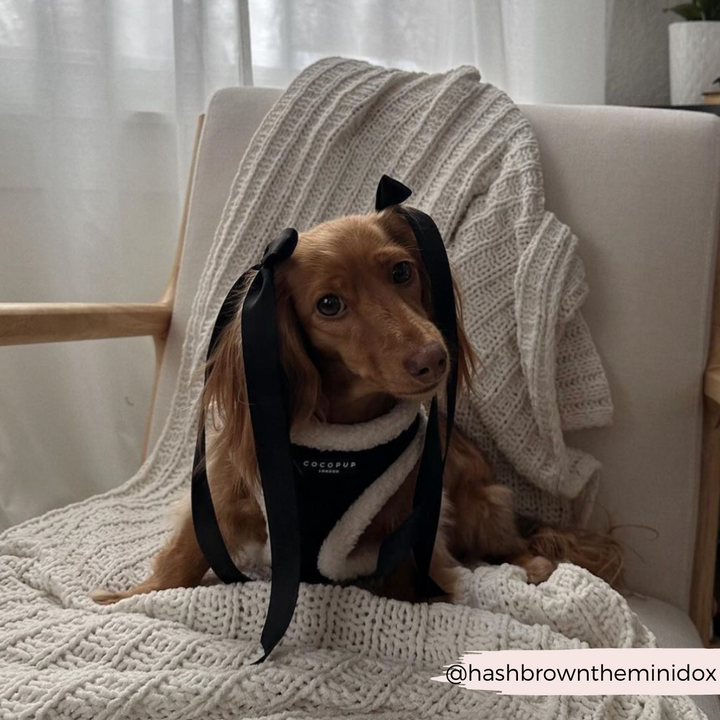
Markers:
point(419, 530)
point(268, 403)
point(205, 521)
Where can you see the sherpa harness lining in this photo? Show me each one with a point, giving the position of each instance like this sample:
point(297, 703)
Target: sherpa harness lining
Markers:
point(346, 473)
point(297, 539)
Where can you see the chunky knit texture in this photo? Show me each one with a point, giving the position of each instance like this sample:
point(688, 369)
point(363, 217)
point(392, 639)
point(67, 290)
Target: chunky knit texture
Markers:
point(184, 653)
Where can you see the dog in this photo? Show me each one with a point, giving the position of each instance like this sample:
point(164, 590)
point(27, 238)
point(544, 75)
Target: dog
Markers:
point(357, 336)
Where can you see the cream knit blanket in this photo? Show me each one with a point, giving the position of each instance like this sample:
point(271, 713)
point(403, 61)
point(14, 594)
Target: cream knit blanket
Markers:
point(183, 653)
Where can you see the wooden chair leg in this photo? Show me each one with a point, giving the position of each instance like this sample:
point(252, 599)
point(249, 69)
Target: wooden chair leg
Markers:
point(168, 296)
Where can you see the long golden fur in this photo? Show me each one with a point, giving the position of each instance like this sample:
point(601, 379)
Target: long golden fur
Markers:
point(352, 367)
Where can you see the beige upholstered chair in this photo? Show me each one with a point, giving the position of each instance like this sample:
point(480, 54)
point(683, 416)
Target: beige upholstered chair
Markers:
point(641, 188)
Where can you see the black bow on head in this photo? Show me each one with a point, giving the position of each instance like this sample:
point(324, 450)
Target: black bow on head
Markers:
point(269, 412)
point(390, 192)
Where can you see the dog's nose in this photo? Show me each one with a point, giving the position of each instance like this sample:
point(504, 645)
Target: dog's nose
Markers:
point(428, 363)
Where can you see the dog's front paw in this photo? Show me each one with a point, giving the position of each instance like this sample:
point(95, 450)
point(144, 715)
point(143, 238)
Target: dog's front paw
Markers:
point(107, 597)
point(539, 569)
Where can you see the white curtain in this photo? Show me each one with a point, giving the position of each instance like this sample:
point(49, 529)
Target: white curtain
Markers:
point(539, 51)
point(98, 104)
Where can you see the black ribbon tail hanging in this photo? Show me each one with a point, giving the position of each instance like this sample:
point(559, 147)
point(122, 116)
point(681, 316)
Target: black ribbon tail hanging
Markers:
point(268, 404)
point(419, 530)
point(204, 518)
point(205, 521)
point(437, 265)
point(267, 398)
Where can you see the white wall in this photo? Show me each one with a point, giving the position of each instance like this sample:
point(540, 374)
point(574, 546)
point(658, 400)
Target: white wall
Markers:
point(637, 55)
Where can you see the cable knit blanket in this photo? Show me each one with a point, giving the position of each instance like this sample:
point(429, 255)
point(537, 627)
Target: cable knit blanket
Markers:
point(473, 163)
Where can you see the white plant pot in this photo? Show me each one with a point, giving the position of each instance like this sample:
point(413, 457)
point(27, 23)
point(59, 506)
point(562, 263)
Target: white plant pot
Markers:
point(694, 60)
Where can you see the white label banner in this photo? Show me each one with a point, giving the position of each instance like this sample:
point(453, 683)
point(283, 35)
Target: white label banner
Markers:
point(627, 671)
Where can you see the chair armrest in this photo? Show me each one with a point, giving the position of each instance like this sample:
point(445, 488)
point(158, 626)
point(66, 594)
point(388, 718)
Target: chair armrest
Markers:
point(27, 323)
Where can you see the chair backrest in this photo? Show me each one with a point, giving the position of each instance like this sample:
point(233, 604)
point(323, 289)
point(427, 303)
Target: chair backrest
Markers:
point(641, 189)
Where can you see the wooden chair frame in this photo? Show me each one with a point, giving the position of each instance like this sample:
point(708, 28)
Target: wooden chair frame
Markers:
point(26, 323)
point(29, 323)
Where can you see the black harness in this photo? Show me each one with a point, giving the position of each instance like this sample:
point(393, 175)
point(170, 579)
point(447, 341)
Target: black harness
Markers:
point(329, 482)
point(301, 505)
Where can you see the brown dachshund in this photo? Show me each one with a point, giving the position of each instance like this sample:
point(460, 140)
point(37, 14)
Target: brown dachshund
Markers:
point(356, 336)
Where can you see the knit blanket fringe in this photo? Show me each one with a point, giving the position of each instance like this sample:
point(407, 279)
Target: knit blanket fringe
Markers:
point(184, 653)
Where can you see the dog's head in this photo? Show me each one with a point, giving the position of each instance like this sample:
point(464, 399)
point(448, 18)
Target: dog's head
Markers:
point(355, 312)
point(354, 317)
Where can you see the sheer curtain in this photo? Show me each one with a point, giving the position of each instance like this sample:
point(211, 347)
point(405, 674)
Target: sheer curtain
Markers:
point(549, 51)
point(98, 104)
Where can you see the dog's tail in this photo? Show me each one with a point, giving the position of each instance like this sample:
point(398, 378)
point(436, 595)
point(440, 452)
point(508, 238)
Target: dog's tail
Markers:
point(600, 553)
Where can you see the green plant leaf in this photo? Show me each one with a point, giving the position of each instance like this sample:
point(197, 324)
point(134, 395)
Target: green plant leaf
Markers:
point(710, 9)
point(688, 11)
point(713, 12)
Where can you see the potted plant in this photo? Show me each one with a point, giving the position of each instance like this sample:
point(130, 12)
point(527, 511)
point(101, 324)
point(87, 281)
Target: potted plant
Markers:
point(694, 50)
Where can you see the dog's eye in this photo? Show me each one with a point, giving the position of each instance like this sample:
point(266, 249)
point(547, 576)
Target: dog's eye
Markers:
point(330, 305)
point(402, 272)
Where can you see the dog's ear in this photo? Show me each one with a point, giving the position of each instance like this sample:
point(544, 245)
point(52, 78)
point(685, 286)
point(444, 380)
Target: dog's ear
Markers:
point(225, 405)
point(401, 233)
point(302, 376)
point(467, 358)
point(224, 401)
